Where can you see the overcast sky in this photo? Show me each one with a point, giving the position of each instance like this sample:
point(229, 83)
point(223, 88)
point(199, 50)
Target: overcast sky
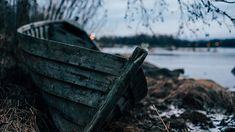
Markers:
point(117, 25)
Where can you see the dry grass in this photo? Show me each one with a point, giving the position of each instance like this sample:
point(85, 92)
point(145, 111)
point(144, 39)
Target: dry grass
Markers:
point(18, 112)
point(16, 116)
point(143, 117)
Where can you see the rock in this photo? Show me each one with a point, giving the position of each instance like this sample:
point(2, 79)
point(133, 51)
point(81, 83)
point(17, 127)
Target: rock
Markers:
point(197, 118)
point(233, 71)
point(156, 72)
point(178, 72)
point(177, 123)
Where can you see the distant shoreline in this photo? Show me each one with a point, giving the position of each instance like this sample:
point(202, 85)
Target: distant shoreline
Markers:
point(164, 41)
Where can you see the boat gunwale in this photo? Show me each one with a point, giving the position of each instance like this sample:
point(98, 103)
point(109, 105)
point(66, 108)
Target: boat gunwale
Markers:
point(41, 23)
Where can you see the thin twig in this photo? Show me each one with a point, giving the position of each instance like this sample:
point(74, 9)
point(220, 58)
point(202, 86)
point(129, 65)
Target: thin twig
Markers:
point(156, 110)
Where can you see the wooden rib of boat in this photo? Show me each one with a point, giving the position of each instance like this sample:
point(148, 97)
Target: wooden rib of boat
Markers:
point(82, 86)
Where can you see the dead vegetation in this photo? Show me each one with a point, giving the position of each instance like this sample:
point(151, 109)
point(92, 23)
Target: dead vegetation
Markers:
point(21, 110)
point(16, 114)
point(193, 94)
point(143, 117)
point(16, 118)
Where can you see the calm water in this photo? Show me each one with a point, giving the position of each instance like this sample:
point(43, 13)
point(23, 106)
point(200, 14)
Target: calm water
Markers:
point(200, 64)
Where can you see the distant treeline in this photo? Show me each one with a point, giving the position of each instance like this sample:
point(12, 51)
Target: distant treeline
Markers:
point(164, 41)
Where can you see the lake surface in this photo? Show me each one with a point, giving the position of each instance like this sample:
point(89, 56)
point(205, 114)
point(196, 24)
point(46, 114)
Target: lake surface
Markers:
point(215, 64)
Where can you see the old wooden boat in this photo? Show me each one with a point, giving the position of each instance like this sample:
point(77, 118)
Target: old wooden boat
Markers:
point(82, 86)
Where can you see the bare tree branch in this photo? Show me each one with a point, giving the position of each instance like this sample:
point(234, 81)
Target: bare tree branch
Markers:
point(225, 1)
point(191, 12)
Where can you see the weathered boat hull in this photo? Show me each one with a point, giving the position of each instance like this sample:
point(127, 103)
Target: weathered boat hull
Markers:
point(82, 86)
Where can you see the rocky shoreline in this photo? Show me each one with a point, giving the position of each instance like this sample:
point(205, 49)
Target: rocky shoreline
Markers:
point(233, 71)
point(172, 104)
point(182, 104)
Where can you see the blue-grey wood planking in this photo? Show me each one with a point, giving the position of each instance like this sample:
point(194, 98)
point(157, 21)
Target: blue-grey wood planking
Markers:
point(81, 86)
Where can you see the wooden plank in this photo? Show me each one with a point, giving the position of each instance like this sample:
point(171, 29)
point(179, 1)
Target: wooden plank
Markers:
point(28, 32)
point(74, 28)
point(32, 33)
point(119, 87)
point(64, 32)
point(35, 32)
point(41, 32)
point(35, 29)
point(138, 86)
point(74, 112)
point(71, 92)
point(45, 31)
point(69, 73)
point(74, 55)
point(61, 35)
